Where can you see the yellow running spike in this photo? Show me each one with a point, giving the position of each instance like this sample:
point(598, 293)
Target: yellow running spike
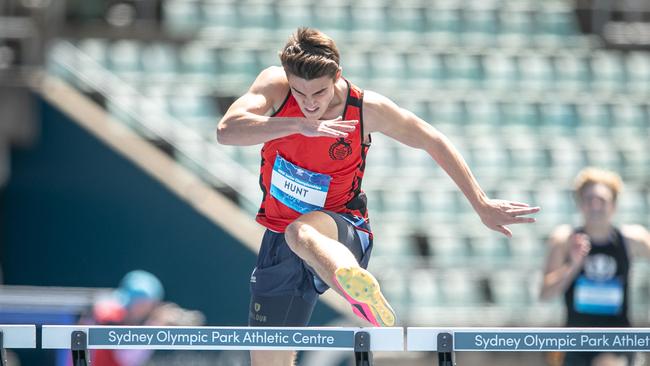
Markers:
point(361, 289)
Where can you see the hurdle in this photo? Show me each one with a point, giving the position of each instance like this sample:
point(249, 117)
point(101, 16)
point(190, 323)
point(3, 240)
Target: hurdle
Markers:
point(16, 336)
point(446, 341)
point(362, 341)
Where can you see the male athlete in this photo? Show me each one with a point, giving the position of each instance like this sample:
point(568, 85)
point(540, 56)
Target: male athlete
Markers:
point(315, 127)
point(590, 264)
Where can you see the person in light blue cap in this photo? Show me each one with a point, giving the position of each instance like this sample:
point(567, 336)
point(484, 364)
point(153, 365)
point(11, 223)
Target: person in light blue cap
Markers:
point(134, 302)
point(139, 292)
point(140, 284)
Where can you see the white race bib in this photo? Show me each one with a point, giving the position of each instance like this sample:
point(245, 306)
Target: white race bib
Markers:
point(298, 188)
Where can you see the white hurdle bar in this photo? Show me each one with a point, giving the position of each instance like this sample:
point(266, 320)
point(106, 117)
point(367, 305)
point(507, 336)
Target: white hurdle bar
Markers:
point(445, 341)
point(362, 341)
point(16, 336)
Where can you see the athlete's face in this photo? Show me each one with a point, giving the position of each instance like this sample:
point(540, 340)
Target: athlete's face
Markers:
point(597, 203)
point(313, 96)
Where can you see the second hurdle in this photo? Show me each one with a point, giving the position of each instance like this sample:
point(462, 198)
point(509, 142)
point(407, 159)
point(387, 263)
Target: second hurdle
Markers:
point(446, 341)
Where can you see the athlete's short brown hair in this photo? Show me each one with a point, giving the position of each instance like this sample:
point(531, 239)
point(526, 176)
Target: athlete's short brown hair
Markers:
point(310, 54)
point(590, 176)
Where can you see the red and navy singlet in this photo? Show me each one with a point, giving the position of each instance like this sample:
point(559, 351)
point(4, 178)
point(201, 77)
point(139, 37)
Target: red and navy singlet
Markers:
point(299, 174)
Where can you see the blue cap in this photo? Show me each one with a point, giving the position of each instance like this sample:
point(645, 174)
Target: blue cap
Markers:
point(139, 285)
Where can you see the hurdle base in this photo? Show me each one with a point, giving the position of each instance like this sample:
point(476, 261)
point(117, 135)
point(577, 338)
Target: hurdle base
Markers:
point(445, 349)
point(79, 348)
point(3, 352)
point(362, 354)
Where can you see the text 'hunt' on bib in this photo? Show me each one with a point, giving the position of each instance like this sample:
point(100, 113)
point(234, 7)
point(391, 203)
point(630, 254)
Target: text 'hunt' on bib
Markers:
point(298, 188)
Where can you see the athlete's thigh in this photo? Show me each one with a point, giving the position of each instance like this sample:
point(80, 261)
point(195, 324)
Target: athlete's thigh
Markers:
point(357, 240)
point(335, 226)
point(322, 222)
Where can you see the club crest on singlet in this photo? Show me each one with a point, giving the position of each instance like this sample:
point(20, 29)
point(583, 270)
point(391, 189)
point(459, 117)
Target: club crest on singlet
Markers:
point(341, 149)
point(298, 188)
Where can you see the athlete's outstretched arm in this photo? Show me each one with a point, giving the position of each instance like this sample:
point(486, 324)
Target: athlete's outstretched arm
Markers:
point(247, 122)
point(382, 115)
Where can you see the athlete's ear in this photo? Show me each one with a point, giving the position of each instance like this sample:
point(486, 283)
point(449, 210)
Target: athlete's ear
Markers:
point(338, 74)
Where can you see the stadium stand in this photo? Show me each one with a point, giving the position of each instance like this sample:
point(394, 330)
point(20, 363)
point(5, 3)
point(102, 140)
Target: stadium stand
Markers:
point(525, 96)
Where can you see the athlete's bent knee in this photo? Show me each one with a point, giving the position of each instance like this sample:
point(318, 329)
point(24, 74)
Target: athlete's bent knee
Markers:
point(296, 236)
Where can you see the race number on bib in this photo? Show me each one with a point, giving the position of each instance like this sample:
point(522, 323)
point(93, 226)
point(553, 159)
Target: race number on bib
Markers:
point(598, 297)
point(298, 188)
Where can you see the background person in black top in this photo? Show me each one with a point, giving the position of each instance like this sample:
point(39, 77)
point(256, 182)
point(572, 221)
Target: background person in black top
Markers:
point(589, 265)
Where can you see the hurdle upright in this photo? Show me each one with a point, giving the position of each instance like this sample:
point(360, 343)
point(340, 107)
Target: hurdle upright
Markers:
point(362, 341)
point(16, 336)
point(446, 341)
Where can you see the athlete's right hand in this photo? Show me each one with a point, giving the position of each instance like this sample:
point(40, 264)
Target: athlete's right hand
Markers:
point(579, 248)
point(327, 128)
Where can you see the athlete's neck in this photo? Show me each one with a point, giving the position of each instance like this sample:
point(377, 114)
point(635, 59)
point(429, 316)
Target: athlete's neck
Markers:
point(598, 232)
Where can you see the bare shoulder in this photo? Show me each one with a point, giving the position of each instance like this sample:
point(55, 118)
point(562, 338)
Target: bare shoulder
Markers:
point(377, 109)
point(560, 235)
point(271, 82)
point(637, 238)
point(635, 232)
point(267, 92)
point(273, 75)
point(376, 103)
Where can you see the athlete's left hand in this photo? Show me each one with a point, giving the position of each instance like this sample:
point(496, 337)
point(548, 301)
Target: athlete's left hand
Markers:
point(496, 214)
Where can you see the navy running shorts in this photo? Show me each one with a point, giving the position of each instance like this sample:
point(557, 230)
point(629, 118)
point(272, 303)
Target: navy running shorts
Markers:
point(284, 290)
